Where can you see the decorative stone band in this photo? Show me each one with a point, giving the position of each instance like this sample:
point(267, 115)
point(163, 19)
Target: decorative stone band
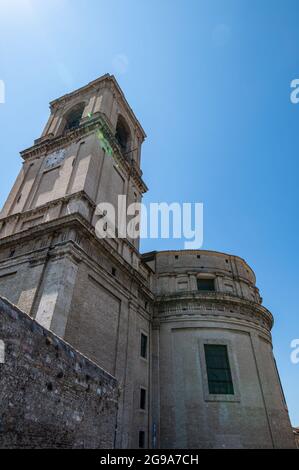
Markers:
point(42, 210)
point(77, 222)
point(98, 123)
point(213, 303)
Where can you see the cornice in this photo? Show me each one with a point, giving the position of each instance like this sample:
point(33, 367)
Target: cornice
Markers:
point(45, 146)
point(216, 301)
point(42, 209)
point(75, 252)
point(202, 319)
point(219, 254)
point(218, 272)
point(78, 222)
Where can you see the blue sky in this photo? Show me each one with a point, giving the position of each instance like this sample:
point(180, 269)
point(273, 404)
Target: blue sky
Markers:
point(210, 82)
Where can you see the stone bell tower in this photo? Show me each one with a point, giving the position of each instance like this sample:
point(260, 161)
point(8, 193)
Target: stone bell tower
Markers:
point(92, 292)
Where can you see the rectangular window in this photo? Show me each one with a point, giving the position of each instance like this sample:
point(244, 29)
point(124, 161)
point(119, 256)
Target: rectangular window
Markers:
point(141, 439)
point(206, 284)
point(142, 399)
point(218, 369)
point(143, 351)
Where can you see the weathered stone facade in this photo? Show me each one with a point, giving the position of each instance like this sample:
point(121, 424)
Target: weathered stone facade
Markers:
point(186, 319)
point(95, 293)
point(51, 396)
point(107, 301)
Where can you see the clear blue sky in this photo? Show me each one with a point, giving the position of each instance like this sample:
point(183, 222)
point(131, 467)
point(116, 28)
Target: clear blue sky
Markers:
point(210, 82)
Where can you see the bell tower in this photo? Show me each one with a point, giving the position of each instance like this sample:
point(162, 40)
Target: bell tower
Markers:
point(90, 148)
point(92, 292)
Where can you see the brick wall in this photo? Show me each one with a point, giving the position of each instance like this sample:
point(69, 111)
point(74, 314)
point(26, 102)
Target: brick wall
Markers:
point(50, 395)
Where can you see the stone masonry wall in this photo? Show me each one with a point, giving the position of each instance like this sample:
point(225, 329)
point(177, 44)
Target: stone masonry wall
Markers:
point(50, 395)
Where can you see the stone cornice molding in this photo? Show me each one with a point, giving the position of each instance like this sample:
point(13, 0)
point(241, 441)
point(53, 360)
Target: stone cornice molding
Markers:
point(55, 202)
point(204, 320)
point(60, 221)
point(217, 272)
point(75, 253)
point(78, 222)
point(218, 302)
point(204, 253)
point(45, 146)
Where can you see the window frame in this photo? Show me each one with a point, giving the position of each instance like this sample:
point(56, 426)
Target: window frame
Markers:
point(142, 390)
point(226, 382)
point(123, 134)
point(141, 433)
point(143, 334)
point(206, 279)
point(74, 117)
point(208, 397)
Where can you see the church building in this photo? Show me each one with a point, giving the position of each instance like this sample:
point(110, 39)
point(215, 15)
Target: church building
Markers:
point(183, 333)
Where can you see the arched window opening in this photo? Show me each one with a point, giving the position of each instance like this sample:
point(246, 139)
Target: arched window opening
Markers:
point(74, 117)
point(123, 134)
